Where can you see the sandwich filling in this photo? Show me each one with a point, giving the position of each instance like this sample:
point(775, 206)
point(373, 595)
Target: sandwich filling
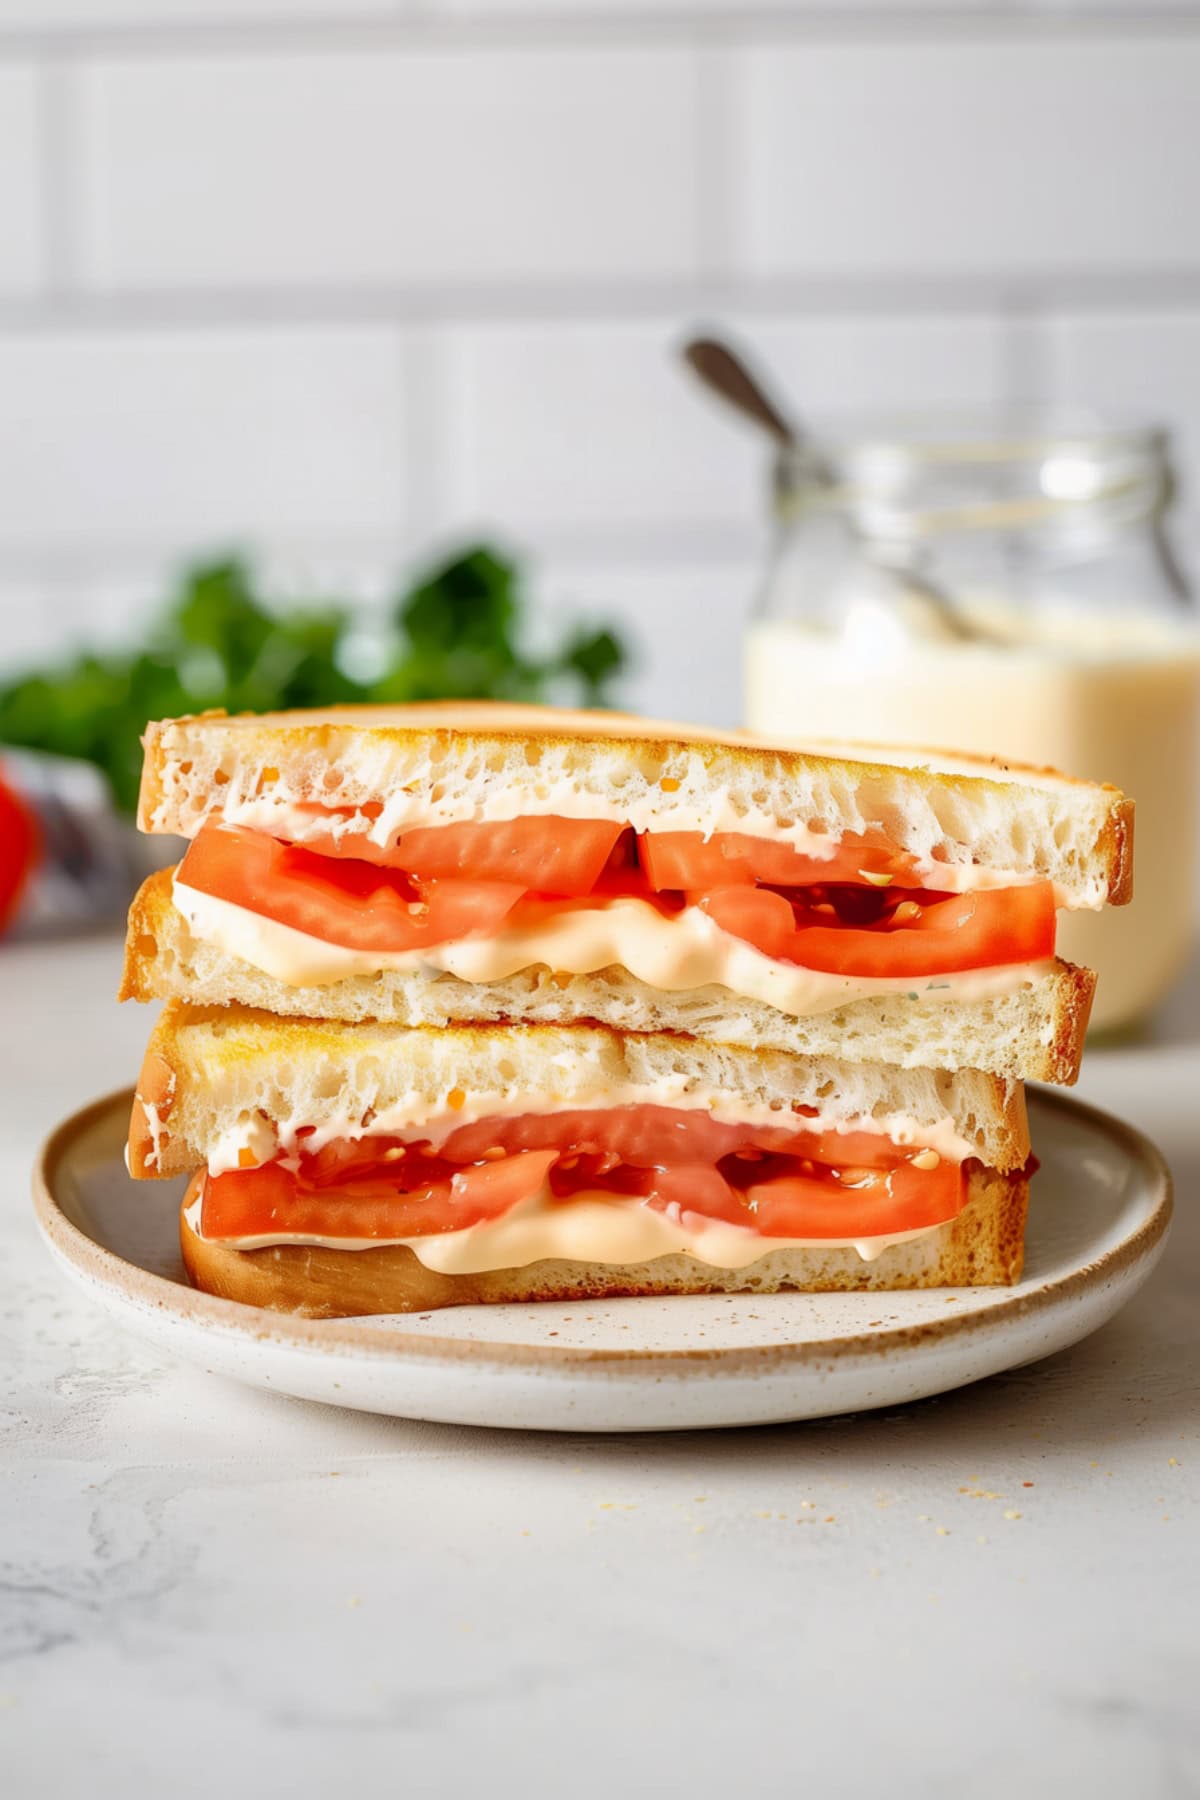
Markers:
point(804, 932)
point(612, 1185)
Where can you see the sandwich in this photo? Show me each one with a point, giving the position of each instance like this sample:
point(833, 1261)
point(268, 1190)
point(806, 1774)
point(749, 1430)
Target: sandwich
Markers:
point(480, 1003)
point(452, 864)
point(357, 1167)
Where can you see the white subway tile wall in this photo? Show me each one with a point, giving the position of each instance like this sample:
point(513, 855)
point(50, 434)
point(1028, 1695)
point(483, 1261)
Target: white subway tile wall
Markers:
point(21, 247)
point(580, 432)
point(328, 169)
point(1027, 156)
point(1134, 364)
point(102, 606)
point(682, 624)
point(151, 439)
point(342, 286)
point(568, 431)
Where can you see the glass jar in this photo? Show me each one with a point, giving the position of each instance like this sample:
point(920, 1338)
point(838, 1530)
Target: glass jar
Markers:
point(1011, 592)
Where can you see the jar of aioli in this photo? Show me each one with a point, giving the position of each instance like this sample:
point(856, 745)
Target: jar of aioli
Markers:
point(1011, 592)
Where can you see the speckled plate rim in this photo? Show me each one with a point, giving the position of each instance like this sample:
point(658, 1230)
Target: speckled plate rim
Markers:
point(351, 1337)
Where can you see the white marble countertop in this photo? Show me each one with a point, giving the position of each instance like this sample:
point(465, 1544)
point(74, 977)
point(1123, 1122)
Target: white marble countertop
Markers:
point(205, 1588)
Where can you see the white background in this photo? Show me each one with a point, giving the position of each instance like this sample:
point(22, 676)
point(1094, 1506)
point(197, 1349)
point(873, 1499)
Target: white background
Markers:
point(347, 284)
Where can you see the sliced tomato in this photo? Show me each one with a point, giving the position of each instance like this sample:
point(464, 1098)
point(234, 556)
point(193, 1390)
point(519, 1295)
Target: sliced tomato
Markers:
point(543, 855)
point(790, 907)
point(777, 1180)
point(759, 916)
point(877, 1204)
point(645, 1137)
point(19, 849)
point(547, 855)
point(340, 901)
point(664, 1137)
point(686, 859)
point(941, 935)
point(271, 1199)
point(788, 1200)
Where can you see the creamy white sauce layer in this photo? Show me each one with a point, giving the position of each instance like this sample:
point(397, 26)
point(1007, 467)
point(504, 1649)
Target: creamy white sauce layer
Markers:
point(588, 1228)
point(153, 1115)
point(674, 954)
point(711, 813)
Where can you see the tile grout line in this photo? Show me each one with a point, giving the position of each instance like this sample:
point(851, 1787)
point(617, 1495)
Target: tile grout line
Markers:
point(718, 110)
point(425, 403)
point(522, 29)
point(56, 186)
point(1026, 374)
point(664, 544)
point(592, 302)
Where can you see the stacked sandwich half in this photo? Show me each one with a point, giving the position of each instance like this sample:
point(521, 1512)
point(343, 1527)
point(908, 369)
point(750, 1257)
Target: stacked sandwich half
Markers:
point(472, 1002)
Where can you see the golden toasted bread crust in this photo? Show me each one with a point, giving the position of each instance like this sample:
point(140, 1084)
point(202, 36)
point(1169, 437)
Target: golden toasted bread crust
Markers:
point(1117, 848)
point(256, 749)
point(983, 1247)
point(1077, 990)
point(464, 725)
point(152, 915)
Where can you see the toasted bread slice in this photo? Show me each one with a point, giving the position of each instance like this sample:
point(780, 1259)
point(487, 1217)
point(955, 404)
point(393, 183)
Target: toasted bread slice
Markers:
point(215, 1077)
point(1034, 1032)
point(447, 762)
point(983, 1246)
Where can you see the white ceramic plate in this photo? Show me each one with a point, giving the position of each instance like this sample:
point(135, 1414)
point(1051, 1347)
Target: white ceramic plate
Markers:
point(1098, 1218)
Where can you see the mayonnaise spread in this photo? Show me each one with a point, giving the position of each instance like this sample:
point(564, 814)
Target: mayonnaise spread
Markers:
point(685, 951)
point(709, 814)
point(596, 1229)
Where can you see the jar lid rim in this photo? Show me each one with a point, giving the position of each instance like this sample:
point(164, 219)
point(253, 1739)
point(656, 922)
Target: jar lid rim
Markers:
point(931, 439)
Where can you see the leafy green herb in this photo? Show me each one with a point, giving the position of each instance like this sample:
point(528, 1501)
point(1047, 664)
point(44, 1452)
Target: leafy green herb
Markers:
point(456, 635)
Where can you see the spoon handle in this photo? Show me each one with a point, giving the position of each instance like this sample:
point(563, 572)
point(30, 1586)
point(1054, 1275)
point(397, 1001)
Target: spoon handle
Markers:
point(721, 369)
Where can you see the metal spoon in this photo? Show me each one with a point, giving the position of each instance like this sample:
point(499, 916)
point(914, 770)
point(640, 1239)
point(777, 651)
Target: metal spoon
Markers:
point(727, 374)
point(721, 369)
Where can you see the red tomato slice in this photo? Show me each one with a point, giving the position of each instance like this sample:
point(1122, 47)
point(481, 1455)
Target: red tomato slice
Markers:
point(452, 890)
point(685, 859)
point(545, 855)
point(758, 916)
point(788, 1201)
point(19, 849)
point(986, 929)
point(903, 1199)
point(257, 1202)
point(661, 1137)
point(340, 901)
point(779, 1181)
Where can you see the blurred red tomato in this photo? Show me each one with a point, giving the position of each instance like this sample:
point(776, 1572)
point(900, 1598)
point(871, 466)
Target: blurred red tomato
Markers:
point(19, 846)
